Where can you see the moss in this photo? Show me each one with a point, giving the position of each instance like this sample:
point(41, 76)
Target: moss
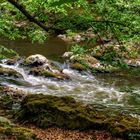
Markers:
point(9, 131)
point(78, 66)
point(105, 69)
point(41, 72)
point(20, 133)
point(47, 73)
point(1, 88)
point(24, 134)
point(65, 112)
point(10, 72)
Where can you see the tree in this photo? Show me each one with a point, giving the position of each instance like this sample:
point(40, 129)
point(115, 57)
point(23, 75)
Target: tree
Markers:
point(117, 18)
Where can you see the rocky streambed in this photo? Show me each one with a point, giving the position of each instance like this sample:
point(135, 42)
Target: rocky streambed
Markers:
point(45, 93)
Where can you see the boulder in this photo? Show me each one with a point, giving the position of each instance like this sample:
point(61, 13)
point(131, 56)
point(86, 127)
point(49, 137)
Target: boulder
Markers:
point(77, 38)
point(67, 54)
point(10, 72)
point(63, 37)
point(133, 62)
point(78, 66)
point(47, 110)
point(40, 71)
point(36, 60)
point(11, 61)
point(83, 62)
point(9, 132)
point(86, 60)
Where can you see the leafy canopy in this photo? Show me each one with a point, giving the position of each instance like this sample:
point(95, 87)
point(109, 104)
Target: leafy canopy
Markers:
point(117, 19)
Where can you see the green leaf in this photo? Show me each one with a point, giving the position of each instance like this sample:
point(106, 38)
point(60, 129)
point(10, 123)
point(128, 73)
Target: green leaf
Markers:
point(60, 2)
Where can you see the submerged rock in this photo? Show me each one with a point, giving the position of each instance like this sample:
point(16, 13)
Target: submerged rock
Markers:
point(36, 60)
point(65, 112)
point(40, 71)
point(39, 65)
point(78, 66)
point(11, 61)
point(9, 72)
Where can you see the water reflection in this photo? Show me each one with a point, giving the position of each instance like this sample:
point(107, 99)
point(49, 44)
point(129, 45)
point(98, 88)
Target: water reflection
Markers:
point(53, 48)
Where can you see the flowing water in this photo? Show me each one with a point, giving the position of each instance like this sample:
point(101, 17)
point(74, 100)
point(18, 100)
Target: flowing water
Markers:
point(121, 93)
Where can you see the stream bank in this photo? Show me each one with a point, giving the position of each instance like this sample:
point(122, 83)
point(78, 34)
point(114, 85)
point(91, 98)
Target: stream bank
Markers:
point(9, 101)
point(103, 91)
point(91, 106)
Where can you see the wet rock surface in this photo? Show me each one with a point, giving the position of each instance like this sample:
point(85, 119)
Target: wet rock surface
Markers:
point(9, 72)
point(8, 128)
point(36, 60)
point(62, 116)
point(65, 112)
point(73, 37)
point(88, 62)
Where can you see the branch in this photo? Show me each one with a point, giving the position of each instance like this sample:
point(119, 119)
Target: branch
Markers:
point(27, 14)
point(117, 23)
point(109, 21)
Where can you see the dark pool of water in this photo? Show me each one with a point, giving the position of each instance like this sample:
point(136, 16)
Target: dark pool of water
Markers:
point(53, 48)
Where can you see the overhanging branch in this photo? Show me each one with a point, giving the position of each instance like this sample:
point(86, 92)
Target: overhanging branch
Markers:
point(22, 9)
point(28, 15)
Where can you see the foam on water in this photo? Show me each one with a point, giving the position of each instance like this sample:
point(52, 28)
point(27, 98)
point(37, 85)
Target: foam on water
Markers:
point(82, 86)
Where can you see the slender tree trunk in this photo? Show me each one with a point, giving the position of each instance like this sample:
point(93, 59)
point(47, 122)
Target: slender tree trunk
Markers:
point(28, 15)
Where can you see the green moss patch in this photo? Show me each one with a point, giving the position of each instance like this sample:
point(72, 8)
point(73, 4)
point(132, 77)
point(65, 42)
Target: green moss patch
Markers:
point(9, 131)
point(9, 72)
point(65, 112)
point(78, 66)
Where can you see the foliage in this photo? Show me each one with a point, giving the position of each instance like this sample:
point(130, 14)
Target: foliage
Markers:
point(4, 52)
point(64, 112)
point(77, 49)
point(110, 18)
point(115, 20)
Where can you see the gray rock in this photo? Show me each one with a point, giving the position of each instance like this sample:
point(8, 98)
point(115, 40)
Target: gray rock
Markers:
point(67, 54)
point(36, 60)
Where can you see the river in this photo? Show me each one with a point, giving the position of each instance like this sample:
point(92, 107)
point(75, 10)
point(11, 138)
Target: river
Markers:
point(122, 93)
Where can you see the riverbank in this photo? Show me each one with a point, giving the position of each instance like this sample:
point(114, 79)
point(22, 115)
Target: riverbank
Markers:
point(50, 97)
point(34, 132)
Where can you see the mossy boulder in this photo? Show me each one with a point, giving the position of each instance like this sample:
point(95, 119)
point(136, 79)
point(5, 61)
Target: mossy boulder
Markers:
point(9, 132)
point(65, 112)
point(106, 69)
point(83, 62)
point(1, 88)
point(36, 60)
point(78, 66)
point(10, 98)
point(86, 60)
point(12, 61)
point(10, 72)
point(67, 54)
point(40, 71)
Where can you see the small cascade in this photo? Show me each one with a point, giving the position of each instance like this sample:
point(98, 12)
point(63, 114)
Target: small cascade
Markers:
point(82, 86)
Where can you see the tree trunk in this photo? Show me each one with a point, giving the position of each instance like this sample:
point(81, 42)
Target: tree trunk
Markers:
point(28, 15)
